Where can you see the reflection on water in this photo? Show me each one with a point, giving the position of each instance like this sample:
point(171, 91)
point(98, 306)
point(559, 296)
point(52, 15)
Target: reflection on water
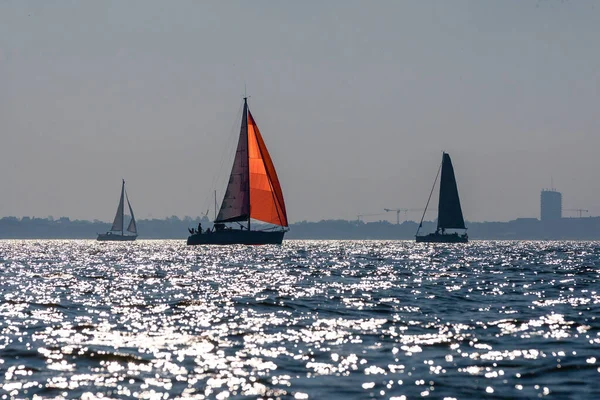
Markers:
point(309, 319)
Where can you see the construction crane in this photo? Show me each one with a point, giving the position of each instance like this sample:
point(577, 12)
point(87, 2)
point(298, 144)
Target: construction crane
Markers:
point(579, 210)
point(399, 210)
point(359, 216)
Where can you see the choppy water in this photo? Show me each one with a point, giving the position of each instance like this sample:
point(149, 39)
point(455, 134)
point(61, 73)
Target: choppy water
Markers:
point(309, 319)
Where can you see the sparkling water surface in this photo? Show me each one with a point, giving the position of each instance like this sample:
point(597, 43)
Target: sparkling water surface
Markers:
point(308, 319)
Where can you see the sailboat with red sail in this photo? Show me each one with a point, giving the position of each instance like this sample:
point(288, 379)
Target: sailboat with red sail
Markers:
point(253, 193)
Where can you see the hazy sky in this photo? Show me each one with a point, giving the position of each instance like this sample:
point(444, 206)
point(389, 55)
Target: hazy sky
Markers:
point(355, 99)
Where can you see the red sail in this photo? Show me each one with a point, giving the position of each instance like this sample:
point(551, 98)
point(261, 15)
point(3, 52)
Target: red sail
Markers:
point(266, 197)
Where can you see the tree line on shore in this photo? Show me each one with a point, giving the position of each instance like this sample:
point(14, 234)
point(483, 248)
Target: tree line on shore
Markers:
point(177, 228)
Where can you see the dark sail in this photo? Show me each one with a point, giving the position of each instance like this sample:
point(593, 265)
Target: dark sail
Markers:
point(236, 203)
point(449, 212)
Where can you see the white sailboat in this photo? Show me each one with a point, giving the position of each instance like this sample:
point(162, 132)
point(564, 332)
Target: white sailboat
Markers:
point(117, 231)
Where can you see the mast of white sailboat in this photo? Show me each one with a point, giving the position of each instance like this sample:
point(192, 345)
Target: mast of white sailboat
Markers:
point(122, 209)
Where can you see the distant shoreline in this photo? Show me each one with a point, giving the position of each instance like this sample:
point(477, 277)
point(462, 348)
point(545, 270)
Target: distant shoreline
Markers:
point(586, 228)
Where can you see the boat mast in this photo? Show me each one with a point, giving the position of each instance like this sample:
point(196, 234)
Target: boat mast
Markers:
point(248, 161)
point(122, 209)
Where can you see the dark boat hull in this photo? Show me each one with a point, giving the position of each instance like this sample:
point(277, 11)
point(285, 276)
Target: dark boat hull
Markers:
point(105, 237)
point(235, 236)
point(443, 238)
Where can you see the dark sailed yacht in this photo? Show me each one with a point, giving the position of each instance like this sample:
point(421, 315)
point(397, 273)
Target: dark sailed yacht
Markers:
point(117, 233)
point(449, 211)
point(253, 192)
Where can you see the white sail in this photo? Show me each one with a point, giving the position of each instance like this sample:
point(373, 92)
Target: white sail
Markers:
point(118, 222)
point(132, 225)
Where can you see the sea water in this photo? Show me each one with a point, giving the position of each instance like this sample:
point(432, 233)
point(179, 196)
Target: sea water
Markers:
point(308, 319)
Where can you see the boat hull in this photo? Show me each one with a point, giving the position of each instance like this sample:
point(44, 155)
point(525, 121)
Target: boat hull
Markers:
point(105, 237)
point(443, 238)
point(235, 236)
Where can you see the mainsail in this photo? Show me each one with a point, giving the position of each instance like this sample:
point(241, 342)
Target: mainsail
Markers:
point(118, 221)
point(253, 190)
point(236, 203)
point(449, 211)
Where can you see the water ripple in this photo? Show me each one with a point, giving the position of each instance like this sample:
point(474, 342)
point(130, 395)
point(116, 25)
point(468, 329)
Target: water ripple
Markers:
point(308, 319)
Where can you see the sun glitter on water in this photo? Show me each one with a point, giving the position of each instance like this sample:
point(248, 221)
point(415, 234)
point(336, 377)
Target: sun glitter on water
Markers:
point(309, 319)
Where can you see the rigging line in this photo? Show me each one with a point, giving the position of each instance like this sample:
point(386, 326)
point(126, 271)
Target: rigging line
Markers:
point(429, 198)
point(225, 154)
point(229, 152)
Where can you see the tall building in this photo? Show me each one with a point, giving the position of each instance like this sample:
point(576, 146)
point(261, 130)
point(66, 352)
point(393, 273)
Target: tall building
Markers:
point(551, 205)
